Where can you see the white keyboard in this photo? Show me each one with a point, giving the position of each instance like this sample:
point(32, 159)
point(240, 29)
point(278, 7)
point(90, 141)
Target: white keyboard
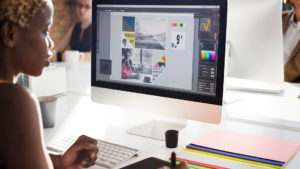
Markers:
point(110, 155)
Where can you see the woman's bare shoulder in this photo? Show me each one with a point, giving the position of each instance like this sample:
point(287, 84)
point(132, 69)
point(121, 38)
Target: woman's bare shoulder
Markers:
point(20, 126)
point(17, 106)
point(14, 96)
point(12, 89)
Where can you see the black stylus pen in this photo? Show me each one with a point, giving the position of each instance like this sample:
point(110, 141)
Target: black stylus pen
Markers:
point(173, 160)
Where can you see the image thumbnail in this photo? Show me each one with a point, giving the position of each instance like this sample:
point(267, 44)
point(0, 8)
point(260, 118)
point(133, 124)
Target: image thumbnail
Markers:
point(128, 39)
point(205, 24)
point(150, 32)
point(178, 40)
point(128, 23)
point(128, 32)
point(137, 65)
point(159, 67)
point(105, 66)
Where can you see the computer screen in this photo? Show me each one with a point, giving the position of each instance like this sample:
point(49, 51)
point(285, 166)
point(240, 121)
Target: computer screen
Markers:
point(169, 50)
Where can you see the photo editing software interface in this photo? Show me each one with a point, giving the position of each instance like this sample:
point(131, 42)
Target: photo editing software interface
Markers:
point(167, 47)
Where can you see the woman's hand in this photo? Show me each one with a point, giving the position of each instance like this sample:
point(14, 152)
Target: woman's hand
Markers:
point(180, 166)
point(54, 56)
point(87, 56)
point(82, 154)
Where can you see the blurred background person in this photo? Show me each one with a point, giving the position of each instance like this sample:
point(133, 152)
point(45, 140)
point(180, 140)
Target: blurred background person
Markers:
point(79, 35)
point(291, 43)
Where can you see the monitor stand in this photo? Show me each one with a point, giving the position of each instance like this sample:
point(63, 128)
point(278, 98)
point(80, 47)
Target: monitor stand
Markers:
point(252, 86)
point(156, 129)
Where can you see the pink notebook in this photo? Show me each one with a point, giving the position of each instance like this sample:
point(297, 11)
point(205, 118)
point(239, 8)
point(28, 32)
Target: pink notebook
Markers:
point(252, 145)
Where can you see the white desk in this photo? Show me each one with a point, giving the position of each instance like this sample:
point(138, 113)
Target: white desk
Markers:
point(276, 110)
point(77, 114)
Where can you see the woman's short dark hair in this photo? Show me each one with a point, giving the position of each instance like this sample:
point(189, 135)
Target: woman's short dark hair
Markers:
point(20, 12)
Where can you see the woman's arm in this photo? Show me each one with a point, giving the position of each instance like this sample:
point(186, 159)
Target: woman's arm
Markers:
point(56, 160)
point(21, 144)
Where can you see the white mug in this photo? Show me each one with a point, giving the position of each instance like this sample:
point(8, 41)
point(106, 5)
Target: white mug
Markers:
point(73, 57)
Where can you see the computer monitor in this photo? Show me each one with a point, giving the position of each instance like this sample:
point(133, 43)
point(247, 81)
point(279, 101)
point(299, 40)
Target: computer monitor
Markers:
point(255, 38)
point(162, 56)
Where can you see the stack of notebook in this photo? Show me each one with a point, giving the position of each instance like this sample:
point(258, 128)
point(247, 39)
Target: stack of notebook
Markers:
point(226, 149)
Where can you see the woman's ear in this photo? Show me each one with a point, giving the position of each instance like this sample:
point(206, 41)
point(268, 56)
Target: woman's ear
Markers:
point(8, 34)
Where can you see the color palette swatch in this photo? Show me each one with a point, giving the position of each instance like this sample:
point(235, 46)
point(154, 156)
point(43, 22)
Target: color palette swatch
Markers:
point(177, 24)
point(208, 55)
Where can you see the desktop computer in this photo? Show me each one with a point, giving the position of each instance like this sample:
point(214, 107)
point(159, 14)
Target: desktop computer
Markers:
point(160, 56)
point(255, 44)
